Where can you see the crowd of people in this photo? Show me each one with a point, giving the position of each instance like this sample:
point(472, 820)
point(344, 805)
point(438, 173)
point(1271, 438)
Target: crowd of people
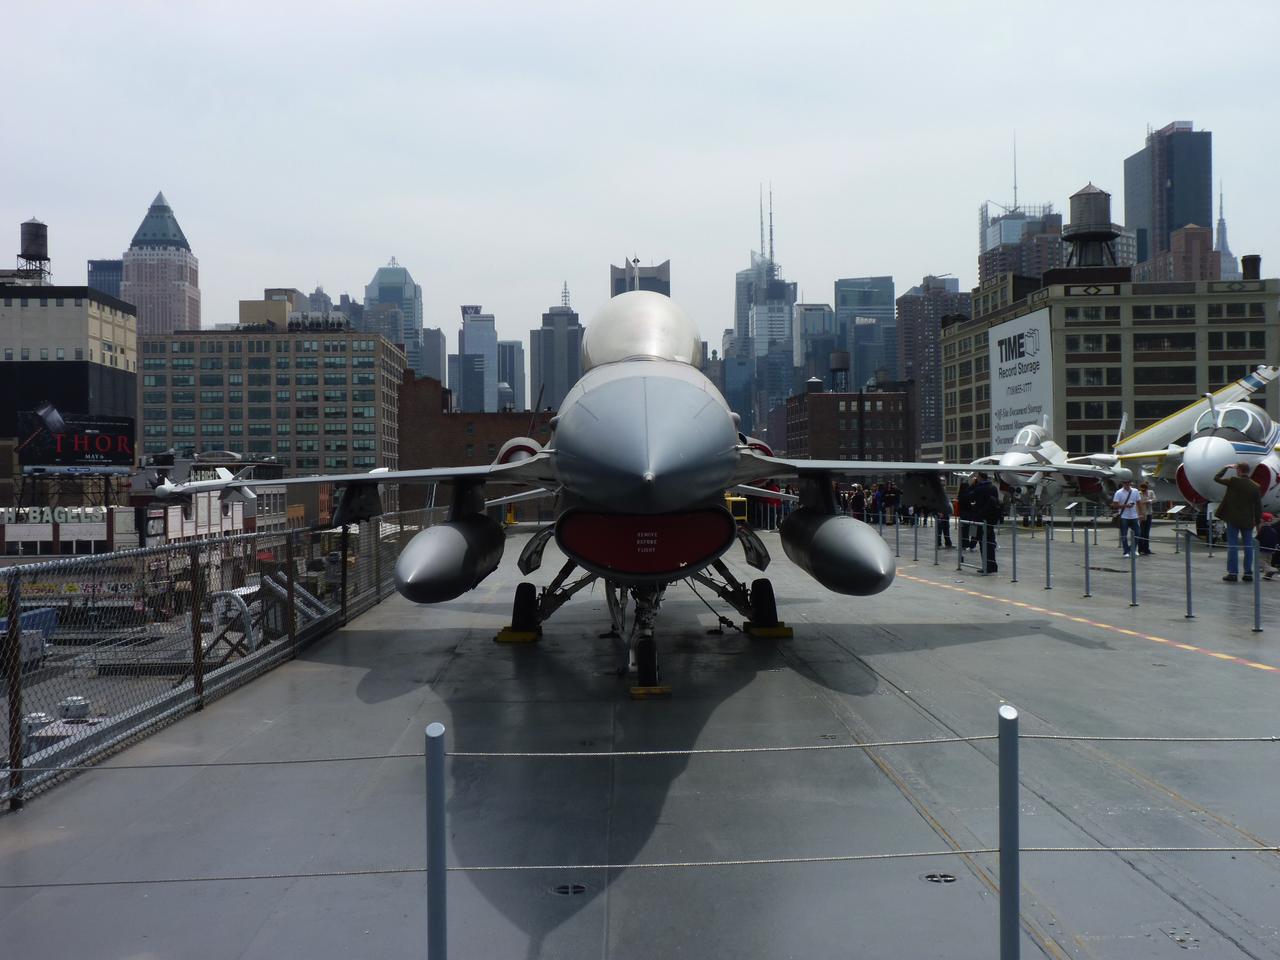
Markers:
point(981, 509)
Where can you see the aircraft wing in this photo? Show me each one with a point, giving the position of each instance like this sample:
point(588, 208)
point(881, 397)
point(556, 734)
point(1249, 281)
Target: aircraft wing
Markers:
point(535, 470)
point(1164, 432)
point(754, 465)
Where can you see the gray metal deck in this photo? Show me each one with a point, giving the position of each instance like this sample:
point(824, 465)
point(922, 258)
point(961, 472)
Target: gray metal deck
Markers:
point(926, 659)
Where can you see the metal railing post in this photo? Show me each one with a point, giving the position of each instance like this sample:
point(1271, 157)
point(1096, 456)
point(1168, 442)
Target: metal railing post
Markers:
point(376, 523)
point(1208, 514)
point(982, 546)
point(1009, 907)
point(1095, 525)
point(1073, 525)
point(1187, 552)
point(959, 554)
point(197, 638)
point(915, 542)
point(11, 661)
point(1087, 592)
point(1257, 586)
point(1013, 548)
point(897, 539)
point(1048, 560)
point(343, 585)
point(1133, 574)
point(1177, 531)
point(290, 572)
point(437, 877)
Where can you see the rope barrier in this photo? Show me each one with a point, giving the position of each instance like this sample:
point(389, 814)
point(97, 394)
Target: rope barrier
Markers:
point(668, 865)
point(565, 754)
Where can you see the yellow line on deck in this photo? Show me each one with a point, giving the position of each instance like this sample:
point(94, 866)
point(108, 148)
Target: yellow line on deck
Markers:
point(1092, 623)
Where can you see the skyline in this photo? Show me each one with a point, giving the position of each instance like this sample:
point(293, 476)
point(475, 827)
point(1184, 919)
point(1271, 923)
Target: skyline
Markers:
point(499, 157)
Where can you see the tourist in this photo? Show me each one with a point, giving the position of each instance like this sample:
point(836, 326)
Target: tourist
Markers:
point(1125, 503)
point(1241, 511)
point(1146, 507)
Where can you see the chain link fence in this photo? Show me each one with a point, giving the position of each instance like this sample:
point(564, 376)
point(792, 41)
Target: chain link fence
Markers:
point(95, 651)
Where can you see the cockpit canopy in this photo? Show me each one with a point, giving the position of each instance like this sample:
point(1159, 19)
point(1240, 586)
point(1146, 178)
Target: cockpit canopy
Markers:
point(639, 325)
point(1031, 436)
point(1250, 420)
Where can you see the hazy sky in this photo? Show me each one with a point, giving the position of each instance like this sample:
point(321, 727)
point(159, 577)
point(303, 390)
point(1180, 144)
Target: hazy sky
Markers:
point(499, 149)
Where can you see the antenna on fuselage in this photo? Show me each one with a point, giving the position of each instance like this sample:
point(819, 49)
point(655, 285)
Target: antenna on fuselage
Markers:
point(1212, 409)
point(1124, 419)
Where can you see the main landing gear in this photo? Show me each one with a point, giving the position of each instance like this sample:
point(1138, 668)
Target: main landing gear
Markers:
point(756, 603)
point(529, 608)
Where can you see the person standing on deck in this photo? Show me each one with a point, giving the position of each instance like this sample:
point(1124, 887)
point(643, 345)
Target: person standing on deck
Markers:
point(1241, 511)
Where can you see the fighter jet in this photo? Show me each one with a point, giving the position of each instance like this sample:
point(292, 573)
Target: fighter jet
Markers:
point(1096, 476)
point(642, 452)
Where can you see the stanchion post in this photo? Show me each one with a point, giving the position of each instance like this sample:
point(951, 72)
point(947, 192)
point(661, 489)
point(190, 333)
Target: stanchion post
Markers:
point(1009, 908)
point(897, 539)
point(12, 663)
point(1095, 525)
point(1048, 560)
point(1133, 573)
point(290, 574)
point(437, 877)
point(1013, 548)
point(1257, 587)
point(376, 524)
point(959, 554)
point(1087, 591)
point(1073, 525)
point(915, 542)
point(1177, 531)
point(982, 546)
point(1187, 557)
point(1208, 515)
point(346, 540)
point(197, 638)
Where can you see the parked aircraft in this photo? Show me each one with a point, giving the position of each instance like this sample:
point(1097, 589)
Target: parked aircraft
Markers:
point(1096, 476)
point(641, 454)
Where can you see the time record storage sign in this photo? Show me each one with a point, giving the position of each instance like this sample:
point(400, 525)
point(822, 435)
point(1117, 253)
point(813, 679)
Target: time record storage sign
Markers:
point(1021, 376)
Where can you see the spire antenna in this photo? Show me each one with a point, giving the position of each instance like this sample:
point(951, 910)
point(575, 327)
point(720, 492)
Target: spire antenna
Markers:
point(771, 223)
point(1015, 170)
point(564, 295)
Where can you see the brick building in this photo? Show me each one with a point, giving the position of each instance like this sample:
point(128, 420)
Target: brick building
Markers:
point(876, 424)
point(439, 438)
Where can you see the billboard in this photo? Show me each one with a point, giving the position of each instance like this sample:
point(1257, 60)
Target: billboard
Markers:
point(73, 442)
point(1021, 376)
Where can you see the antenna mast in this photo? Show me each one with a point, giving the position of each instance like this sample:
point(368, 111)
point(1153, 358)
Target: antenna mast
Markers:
point(1015, 170)
point(564, 295)
point(770, 223)
point(762, 219)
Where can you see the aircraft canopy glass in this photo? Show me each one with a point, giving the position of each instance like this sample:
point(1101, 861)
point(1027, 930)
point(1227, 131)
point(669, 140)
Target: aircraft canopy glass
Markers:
point(1027, 437)
point(1252, 421)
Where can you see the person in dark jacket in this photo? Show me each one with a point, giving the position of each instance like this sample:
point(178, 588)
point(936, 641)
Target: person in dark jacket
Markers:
point(986, 508)
point(1241, 511)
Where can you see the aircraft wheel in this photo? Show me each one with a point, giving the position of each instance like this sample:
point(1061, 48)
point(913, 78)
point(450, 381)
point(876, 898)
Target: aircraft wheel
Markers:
point(524, 611)
point(647, 662)
point(764, 612)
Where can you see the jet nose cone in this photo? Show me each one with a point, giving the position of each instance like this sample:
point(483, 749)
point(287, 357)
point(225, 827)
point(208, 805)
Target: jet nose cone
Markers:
point(1203, 458)
point(646, 444)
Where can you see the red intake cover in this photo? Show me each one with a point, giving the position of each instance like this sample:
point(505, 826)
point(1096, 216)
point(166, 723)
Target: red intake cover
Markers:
point(1187, 490)
point(645, 545)
point(1263, 477)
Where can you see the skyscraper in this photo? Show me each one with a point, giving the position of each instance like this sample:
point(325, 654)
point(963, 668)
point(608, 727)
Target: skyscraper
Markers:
point(1026, 240)
point(161, 276)
point(477, 361)
point(1168, 184)
point(1228, 266)
point(555, 355)
point(435, 350)
point(511, 371)
point(920, 313)
point(105, 276)
point(865, 318)
point(632, 276)
point(393, 285)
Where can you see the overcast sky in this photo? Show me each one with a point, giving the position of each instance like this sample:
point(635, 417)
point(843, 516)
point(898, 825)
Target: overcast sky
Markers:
point(500, 149)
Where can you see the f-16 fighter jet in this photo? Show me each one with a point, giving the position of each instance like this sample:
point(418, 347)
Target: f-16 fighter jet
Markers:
point(641, 455)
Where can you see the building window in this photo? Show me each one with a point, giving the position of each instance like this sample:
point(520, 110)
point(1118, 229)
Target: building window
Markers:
point(26, 353)
point(1164, 375)
point(61, 353)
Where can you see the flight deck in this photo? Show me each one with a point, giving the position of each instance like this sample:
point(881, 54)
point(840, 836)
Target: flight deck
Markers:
point(287, 818)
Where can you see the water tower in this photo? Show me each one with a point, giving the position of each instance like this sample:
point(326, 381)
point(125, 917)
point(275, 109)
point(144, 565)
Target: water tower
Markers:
point(838, 363)
point(33, 252)
point(1090, 237)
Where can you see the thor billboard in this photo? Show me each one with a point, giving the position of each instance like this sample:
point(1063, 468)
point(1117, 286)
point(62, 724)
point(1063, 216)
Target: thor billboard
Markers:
point(48, 438)
point(1021, 376)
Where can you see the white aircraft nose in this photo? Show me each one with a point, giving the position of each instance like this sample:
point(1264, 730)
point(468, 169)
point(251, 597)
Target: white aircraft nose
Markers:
point(1201, 461)
point(1010, 460)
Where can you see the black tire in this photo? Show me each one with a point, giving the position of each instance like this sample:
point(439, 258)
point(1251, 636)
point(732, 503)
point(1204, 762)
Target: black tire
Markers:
point(764, 611)
point(647, 663)
point(524, 611)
